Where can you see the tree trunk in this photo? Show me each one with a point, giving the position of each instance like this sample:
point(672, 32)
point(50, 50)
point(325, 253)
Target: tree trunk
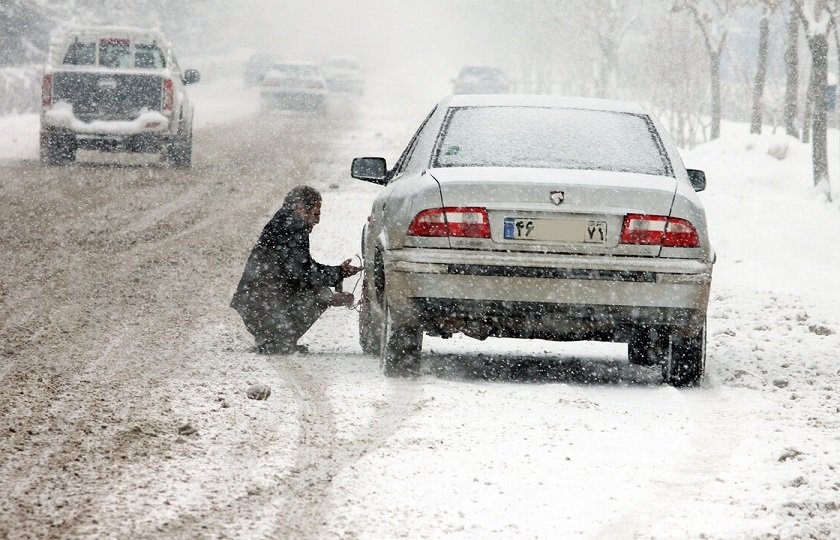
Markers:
point(760, 74)
point(714, 58)
point(792, 66)
point(819, 61)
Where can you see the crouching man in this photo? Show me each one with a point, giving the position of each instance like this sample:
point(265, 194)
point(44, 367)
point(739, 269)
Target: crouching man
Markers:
point(283, 291)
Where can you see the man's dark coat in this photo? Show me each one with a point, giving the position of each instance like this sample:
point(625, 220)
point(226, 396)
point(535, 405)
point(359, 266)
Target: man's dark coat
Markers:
point(281, 270)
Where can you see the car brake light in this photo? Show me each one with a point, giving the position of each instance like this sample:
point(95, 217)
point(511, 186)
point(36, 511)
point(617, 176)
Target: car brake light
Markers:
point(456, 222)
point(658, 230)
point(168, 94)
point(46, 90)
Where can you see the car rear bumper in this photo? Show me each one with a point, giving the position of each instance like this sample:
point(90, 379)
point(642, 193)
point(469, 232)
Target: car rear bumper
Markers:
point(605, 293)
point(63, 119)
point(301, 95)
point(110, 142)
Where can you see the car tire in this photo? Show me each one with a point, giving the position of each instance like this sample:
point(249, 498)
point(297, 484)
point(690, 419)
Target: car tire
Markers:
point(685, 364)
point(648, 346)
point(57, 149)
point(369, 333)
point(179, 151)
point(400, 347)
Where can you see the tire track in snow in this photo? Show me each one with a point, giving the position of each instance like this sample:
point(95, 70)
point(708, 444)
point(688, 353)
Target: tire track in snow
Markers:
point(321, 455)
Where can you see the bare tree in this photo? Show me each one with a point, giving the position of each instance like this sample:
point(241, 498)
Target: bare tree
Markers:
point(609, 21)
point(767, 8)
point(713, 19)
point(792, 73)
point(817, 17)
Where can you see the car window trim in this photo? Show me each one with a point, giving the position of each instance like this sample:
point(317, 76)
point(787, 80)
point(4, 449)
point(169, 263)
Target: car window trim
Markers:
point(404, 158)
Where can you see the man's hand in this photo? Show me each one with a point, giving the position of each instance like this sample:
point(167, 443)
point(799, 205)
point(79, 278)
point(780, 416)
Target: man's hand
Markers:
point(348, 269)
point(342, 299)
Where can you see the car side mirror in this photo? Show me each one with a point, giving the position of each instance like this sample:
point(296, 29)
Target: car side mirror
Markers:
point(191, 76)
point(369, 169)
point(697, 179)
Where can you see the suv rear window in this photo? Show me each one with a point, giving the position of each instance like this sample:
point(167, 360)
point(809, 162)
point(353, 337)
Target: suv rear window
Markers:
point(80, 54)
point(115, 53)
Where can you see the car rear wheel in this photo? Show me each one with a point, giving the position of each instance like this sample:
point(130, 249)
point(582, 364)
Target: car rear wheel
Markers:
point(369, 333)
point(686, 362)
point(648, 346)
point(400, 347)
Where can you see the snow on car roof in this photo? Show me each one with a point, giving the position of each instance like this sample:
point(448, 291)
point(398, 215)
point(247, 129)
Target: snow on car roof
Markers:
point(528, 100)
point(97, 32)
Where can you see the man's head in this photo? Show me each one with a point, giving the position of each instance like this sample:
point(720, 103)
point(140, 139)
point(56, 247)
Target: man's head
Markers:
point(305, 201)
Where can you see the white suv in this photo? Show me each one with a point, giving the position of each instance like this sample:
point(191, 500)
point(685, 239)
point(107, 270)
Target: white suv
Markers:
point(115, 89)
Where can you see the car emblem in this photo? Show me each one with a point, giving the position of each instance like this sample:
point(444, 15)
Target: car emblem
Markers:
point(557, 197)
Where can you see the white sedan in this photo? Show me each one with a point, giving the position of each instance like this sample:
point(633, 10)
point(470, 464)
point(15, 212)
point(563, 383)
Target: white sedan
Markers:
point(538, 217)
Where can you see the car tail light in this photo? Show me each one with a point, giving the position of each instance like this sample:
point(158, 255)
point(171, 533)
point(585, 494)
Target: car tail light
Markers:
point(658, 230)
point(457, 222)
point(46, 90)
point(168, 94)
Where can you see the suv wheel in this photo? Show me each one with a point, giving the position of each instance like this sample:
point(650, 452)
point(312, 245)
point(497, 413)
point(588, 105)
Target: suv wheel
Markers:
point(57, 149)
point(178, 153)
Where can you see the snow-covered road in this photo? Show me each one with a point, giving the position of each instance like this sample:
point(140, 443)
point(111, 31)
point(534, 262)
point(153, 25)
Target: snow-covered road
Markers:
point(124, 372)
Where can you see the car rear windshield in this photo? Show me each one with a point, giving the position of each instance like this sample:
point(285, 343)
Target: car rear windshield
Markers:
point(296, 70)
point(550, 137)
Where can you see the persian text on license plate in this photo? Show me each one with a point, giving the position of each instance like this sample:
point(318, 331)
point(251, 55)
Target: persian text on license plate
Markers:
point(556, 230)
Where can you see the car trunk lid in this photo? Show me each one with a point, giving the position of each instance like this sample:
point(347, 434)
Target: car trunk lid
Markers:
point(555, 211)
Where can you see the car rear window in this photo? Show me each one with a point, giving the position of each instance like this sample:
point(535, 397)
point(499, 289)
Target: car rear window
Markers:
point(296, 70)
point(550, 137)
point(115, 53)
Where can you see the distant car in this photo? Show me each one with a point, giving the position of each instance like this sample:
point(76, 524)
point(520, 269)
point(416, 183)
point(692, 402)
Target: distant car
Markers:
point(344, 74)
point(291, 85)
point(481, 80)
point(537, 217)
point(257, 66)
point(115, 89)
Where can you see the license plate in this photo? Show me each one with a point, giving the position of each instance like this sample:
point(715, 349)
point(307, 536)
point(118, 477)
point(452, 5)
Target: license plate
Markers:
point(589, 231)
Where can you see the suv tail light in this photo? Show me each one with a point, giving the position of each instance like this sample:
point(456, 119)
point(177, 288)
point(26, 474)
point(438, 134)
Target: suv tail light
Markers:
point(46, 90)
point(658, 230)
point(168, 94)
point(457, 222)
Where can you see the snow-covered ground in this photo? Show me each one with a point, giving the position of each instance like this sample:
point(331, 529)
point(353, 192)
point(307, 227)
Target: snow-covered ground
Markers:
point(597, 448)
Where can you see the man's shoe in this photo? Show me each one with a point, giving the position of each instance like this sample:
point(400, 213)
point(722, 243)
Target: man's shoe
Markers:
point(279, 347)
point(274, 347)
